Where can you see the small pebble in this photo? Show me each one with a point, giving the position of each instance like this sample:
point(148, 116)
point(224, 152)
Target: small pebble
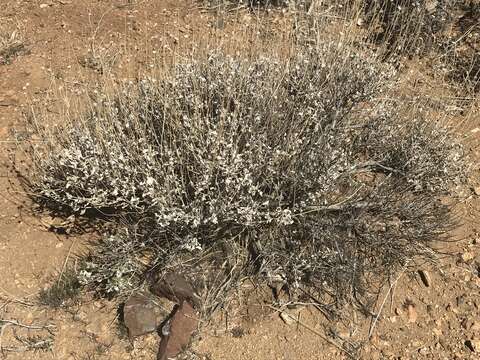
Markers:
point(473, 345)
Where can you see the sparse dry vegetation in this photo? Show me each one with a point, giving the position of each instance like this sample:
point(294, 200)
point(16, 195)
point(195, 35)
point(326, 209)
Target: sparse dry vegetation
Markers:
point(405, 26)
point(461, 52)
point(447, 31)
point(296, 4)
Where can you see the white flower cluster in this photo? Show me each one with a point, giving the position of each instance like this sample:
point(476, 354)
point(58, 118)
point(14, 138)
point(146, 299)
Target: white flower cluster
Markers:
point(115, 268)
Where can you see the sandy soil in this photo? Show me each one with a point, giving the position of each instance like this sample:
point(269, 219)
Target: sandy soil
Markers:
point(439, 321)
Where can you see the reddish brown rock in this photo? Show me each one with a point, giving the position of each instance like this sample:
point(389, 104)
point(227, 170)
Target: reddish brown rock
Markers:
point(176, 288)
point(178, 331)
point(141, 315)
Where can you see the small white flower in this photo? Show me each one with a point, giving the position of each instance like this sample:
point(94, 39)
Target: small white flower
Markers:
point(150, 181)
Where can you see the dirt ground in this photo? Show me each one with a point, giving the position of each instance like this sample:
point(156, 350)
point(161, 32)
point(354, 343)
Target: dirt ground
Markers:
point(70, 44)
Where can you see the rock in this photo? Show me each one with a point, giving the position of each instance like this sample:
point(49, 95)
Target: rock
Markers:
point(175, 288)
point(461, 300)
point(430, 310)
point(177, 331)
point(141, 315)
point(476, 190)
point(473, 345)
point(423, 351)
point(425, 277)
point(411, 313)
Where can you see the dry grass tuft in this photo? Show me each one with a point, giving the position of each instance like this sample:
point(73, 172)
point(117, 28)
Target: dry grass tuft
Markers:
point(12, 44)
point(461, 51)
point(62, 292)
point(100, 58)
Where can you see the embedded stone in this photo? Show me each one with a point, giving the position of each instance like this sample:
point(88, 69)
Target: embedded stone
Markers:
point(177, 331)
point(142, 315)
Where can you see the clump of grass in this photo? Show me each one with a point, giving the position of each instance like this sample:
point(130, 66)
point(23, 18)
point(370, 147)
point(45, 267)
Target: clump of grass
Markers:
point(291, 168)
point(100, 58)
point(63, 291)
point(12, 44)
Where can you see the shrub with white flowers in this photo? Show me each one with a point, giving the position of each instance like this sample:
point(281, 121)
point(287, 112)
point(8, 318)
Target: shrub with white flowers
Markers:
point(291, 168)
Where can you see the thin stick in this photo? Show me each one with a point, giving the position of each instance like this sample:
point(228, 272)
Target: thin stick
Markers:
point(31, 327)
point(372, 326)
point(66, 260)
point(6, 323)
point(37, 345)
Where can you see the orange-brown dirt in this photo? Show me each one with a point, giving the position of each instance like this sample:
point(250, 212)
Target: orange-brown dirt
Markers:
point(439, 321)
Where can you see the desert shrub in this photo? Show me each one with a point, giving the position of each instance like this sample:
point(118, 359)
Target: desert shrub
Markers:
point(286, 168)
point(440, 29)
